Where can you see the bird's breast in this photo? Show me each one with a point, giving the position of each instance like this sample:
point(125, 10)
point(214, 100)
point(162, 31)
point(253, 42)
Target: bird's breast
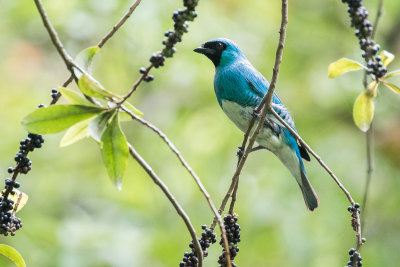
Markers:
point(241, 117)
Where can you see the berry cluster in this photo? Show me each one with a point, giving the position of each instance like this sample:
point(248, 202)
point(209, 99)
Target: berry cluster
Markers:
point(54, 93)
point(180, 18)
point(8, 222)
point(27, 145)
point(232, 229)
point(207, 238)
point(147, 78)
point(354, 257)
point(364, 29)
point(355, 210)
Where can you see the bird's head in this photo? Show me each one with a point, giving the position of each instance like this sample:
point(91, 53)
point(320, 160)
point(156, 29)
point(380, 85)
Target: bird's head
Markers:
point(220, 51)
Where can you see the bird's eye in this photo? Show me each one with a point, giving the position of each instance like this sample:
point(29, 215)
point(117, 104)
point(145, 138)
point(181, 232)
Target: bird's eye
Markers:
point(220, 46)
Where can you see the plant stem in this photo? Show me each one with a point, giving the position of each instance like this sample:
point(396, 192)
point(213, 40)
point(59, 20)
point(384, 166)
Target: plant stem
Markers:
point(171, 198)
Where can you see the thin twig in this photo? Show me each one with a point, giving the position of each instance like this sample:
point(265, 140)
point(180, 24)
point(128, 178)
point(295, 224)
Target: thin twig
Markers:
point(135, 85)
point(337, 181)
point(69, 62)
point(370, 168)
point(369, 133)
point(171, 198)
point(119, 24)
point(266, 101)
point(103, 41)
point(196, 178)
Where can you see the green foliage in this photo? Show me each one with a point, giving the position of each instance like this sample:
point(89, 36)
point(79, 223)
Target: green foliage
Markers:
point(363, 110)
point(76, 133)
point(56, 118)
point(395, 88)
point(387, 57)
point(98, 125)
point(115, 151)
point(90, 87)
point(84, 59)
point(73, 97)
point(342, 66)
point(12, 254)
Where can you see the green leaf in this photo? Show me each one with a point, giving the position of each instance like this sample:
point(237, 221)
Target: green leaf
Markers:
point(99, 124)
point(115, 151)
point(387, 57)
point(134, 110)
point(74, 97)
point(391, 74)
point(84, 59)
point(395, 88)
point(342, 66)
point(56, 118)
point(76, 133)
point(12, 254)
point(90, 87)
point(363, 111)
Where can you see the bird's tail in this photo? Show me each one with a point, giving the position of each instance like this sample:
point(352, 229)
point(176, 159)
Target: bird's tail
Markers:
point(310, 196)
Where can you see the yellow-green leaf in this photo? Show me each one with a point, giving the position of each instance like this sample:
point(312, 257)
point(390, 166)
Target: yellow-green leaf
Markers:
point(56, 118)
point(130, 107)
point(391, 74)
point(84, 59)
point(387, 57)
point(12, 254)
point(395, 88)
point(90, 87)
point(74, 97)
point(76, 133)
point(363, 111)
point(342, 66)
point(99, 124)
point(115, 151)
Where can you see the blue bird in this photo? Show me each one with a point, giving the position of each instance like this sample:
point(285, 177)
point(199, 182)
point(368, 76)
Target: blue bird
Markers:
point(239, 88)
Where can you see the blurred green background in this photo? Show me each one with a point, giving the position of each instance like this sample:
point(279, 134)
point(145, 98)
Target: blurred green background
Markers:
point(75, 217)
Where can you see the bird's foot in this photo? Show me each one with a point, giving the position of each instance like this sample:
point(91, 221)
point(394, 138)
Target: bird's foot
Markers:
point(256, 114)
point(239, 152)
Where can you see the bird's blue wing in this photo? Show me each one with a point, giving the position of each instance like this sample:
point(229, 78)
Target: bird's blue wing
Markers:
point(282, 111)
point(259, 85)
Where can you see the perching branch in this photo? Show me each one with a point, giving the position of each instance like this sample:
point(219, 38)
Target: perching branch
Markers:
point(356, 215)
point(171, 198)
point(266, 101)
point(119, 24)
point(187, 167)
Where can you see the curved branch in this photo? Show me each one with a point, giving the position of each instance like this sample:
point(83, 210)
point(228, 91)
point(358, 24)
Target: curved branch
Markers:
point(119, 24)
point(171, 198)
point(266, 101)
point(188, 168)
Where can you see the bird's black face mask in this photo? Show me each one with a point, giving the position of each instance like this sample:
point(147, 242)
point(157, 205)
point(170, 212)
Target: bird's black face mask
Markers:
point(212, 50)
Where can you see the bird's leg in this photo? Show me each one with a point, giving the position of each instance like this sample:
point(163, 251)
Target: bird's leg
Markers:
point(257, 148)
point(239, 152)
point(256, 114)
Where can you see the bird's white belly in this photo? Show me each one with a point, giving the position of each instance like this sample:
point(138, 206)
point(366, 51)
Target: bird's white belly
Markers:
point(241, 116)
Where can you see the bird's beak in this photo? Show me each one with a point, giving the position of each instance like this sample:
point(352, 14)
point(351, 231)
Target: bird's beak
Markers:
point(203, 50)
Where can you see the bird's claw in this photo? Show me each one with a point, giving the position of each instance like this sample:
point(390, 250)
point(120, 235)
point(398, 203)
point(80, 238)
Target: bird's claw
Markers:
point(239, 152)
point(256, 114)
